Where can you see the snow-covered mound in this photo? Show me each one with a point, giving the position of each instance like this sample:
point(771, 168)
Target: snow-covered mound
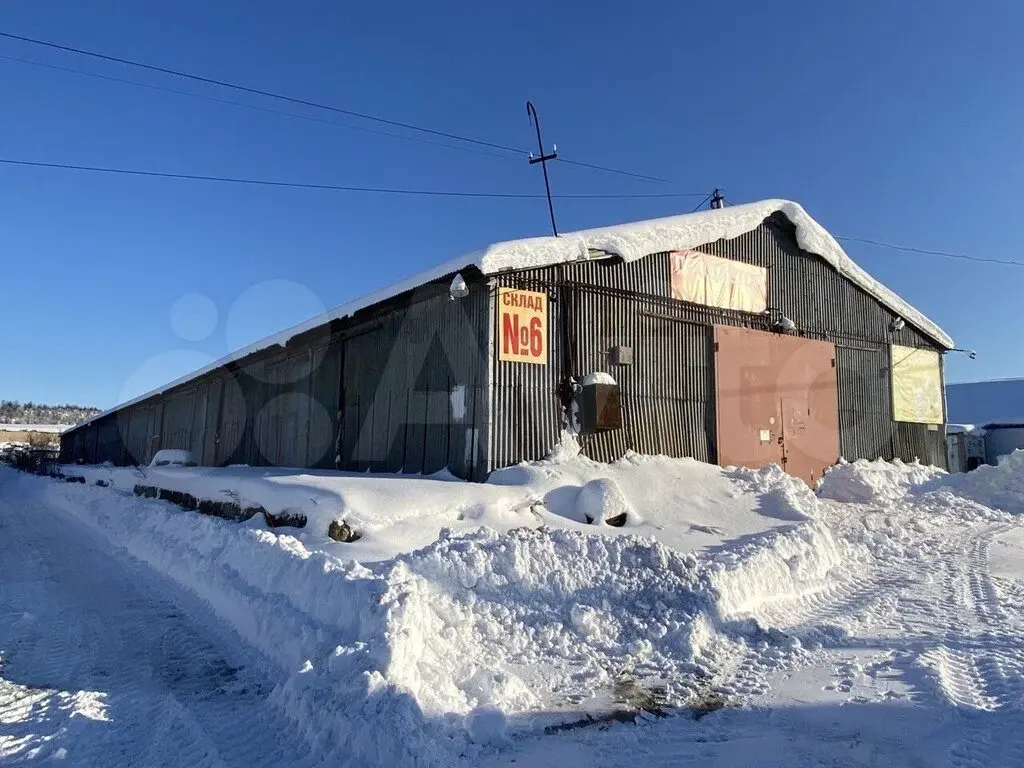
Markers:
point(463, 601)
point(472, 616)
point(686, 504)
point(998, 487)
point(866, 482)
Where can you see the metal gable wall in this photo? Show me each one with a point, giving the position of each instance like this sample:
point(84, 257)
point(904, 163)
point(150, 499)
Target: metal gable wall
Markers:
point(668, 392)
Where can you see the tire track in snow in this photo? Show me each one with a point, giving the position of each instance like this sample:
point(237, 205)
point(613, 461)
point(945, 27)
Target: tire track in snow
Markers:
point(978, 662)
point(106, 664)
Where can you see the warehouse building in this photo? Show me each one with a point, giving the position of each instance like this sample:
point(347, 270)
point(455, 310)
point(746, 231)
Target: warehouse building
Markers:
point(741, 335)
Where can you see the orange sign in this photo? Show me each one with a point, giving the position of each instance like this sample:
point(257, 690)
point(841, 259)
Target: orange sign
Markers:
point(522, 326)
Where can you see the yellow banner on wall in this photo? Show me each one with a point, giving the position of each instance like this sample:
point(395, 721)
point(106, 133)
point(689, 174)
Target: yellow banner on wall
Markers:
point(717, 282)
point(916, 385)
point(522, 326)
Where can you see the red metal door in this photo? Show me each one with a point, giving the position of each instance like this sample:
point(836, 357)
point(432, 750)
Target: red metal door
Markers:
point(777, 401)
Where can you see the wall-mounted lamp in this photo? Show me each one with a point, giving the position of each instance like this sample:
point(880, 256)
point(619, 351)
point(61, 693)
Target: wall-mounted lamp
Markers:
point(897, 324)
point(784, 324)
point(779, 322)
point(458, 289)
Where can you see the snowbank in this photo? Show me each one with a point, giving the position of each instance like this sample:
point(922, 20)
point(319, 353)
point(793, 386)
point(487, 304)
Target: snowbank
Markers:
point(517, 609)
point(873, 482)
point(998, 487)
point(879, 482)
point(173, 457)
point(686, 504)
point(471, 613)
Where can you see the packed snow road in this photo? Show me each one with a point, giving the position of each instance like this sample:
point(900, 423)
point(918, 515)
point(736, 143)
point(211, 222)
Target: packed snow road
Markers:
point(102, 662)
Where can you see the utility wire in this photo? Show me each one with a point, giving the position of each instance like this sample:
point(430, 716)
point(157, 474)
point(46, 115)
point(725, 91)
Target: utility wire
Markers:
point(335, 187)
point(317, 105)
point(927, 252)
point(256, 91)
point(259, 108)
point(454, 193)
point(702, 202)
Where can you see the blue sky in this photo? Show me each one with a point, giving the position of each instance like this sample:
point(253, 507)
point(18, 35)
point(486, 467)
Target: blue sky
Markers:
point(884, 121)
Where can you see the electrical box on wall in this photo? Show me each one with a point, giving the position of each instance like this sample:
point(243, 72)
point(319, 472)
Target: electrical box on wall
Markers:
point(621, 355)
point(600, 403)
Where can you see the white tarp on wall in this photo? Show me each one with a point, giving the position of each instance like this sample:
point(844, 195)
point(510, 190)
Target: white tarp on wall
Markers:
point(717, 282)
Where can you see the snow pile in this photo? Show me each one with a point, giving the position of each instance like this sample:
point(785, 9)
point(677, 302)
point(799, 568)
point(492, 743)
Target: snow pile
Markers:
point(173, 457)
point(602, 501)
point(998, 487)
point(779, 495)
point(470, 613)
point(396, 660)
point(411, 658)
point(874, 482)
point(882, 483)
point(536, 619)
point(684, 503)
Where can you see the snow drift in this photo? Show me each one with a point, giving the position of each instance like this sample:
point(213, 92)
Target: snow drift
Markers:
point(469, 614)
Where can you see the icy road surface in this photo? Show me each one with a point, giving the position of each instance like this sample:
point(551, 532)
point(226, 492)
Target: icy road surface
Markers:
point(104, 663)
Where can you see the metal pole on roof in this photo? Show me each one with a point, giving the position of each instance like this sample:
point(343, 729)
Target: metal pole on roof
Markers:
point(717, 199)
point(531, 112)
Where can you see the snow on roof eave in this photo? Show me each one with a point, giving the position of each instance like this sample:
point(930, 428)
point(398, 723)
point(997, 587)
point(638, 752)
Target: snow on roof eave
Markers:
point(628, 241)
point(636, 240)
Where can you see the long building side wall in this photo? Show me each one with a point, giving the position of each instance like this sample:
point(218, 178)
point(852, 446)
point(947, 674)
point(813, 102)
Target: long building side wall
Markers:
point(668, 391)
point(405, 383)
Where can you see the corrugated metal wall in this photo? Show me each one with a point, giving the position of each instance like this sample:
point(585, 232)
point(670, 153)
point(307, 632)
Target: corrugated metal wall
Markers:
point(668, 391)
point(413, 385)
point(414, 394)
point(415, 398)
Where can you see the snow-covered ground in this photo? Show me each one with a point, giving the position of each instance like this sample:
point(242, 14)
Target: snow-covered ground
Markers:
point(736, 618)
point(49, 428)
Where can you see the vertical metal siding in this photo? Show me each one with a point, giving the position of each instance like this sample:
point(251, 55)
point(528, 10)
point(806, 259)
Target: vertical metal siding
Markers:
point(668, 393)
point(526, 415)
point(412, 382)
point(386, 385)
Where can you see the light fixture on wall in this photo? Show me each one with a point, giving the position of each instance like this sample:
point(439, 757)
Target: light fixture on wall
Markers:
point(897, 324)
point(784, 324)
point(779, 321)
point(458, 289)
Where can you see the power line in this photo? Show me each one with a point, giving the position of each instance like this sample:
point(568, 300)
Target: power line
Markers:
point(928, 252)
point(645, 177)
point(334, 187)
point(256, 91)
point(702, 202)
point(256, 107)
point(318, 105)
point(454, 193)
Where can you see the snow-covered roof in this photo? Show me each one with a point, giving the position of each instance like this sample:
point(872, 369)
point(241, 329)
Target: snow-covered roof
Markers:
point(630, 242)
point(636, 240)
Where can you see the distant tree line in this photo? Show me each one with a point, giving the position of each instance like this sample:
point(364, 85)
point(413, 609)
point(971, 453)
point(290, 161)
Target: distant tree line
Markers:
point(13, 412)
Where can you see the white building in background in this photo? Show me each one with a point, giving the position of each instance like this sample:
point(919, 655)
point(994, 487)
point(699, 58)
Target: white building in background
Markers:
point(986, 421)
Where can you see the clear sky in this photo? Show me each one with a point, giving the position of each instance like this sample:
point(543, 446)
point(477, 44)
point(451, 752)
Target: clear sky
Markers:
point(894, 121)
